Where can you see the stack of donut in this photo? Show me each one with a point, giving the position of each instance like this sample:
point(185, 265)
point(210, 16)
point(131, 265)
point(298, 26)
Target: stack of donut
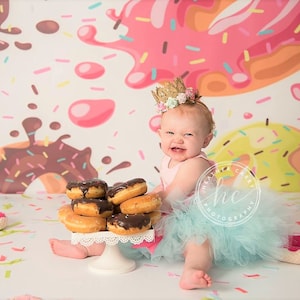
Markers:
point(89, 207)
point(138, 211)
point(122, 209)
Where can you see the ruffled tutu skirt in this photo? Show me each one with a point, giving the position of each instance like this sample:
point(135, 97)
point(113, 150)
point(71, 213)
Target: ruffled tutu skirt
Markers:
point(242, 227)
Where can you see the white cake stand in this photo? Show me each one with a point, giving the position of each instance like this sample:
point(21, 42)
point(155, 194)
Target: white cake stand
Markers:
point(112, 261)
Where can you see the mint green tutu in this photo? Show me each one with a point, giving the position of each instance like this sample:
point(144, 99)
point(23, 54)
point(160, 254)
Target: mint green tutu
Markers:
point(241, 226)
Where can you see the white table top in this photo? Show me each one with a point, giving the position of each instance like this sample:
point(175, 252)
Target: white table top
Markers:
point(28, 266)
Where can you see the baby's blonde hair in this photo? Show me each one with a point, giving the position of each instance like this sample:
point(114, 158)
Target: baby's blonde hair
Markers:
point(204, 110)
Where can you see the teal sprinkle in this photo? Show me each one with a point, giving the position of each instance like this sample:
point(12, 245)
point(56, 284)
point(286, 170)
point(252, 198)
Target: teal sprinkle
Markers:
point(29, 174)
point(31, 133)
point(236, 159)
point(277, 142)
point(267, 31)
point(125, 38)
point(6, 59)
point(84, 165)
point(287, 128)
point(30, 153)
point(242, 132)
point(289, 174)
point(61, 159)
point(192, 48)
point(57, 176)
point(95, 5)
point(173, 24)
point(211, 154)
point(8, 180)
point(227, 67)
point(266, 163)
point(153, 74)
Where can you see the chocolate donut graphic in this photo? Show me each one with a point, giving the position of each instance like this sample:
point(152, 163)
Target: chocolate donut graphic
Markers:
point(54, 163)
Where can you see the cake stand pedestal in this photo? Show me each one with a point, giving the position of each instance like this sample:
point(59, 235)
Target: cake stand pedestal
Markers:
point(112, 261)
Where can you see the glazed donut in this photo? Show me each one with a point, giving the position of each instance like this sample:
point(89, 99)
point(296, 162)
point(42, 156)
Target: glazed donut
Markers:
point(92, 207)
point(84, 224)
point(141, 204)
point(126, 190)
point(94, 188)
point(64, 211)
point(128, 224)
point(155, 216)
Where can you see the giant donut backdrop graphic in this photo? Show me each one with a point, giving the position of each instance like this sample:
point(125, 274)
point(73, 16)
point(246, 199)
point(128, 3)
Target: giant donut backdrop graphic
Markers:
point(76, 85)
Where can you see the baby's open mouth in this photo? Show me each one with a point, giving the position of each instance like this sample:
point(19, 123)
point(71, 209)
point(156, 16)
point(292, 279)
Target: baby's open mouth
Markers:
point(177, 149)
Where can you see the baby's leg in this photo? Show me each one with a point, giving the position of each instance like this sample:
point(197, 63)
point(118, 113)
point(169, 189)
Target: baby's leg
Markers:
point(66, 249)
point(198, 261)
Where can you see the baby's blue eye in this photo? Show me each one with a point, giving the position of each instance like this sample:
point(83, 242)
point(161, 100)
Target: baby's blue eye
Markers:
point(169, 132)
point(188, 134)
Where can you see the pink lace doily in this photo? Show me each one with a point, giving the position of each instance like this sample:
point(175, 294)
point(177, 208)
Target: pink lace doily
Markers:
point(87, 239)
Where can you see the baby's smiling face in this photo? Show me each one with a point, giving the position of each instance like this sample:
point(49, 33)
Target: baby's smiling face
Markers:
point(183, 133)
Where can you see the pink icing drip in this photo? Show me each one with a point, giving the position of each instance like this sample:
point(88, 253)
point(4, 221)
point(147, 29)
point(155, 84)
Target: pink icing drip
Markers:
point(167, 56)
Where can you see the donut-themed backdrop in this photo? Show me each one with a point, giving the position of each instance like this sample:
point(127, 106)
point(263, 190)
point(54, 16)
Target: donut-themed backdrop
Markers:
point(77, 76)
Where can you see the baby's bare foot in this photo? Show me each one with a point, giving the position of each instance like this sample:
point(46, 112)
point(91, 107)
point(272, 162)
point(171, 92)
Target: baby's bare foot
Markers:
point(66, 249)
point(194, 279)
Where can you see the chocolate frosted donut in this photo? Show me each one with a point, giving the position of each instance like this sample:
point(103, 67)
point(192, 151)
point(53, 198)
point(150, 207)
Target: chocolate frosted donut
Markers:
point(93, 188)
point(126, 190)
point(128, 224)
point(92, 207)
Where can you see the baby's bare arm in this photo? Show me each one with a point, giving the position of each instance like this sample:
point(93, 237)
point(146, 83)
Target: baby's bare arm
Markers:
point(186, 179)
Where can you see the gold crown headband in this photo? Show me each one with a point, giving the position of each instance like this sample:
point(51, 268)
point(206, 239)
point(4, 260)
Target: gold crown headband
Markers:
point(171, 94)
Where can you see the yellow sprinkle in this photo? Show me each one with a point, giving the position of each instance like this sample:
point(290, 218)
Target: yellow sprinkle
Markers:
point(46, 141)
point(225, 37)
point(64, 83)
point(24, 184)
point(246, 55)
point(3, 156)
point(9, 28)
point(68, 34)
point(17, 173)
point(256, 11)
point(1, 8)
point(197, 61)
point(7, 273)
point(144, 57)
point(15, 261)
point(297, 29)
point(64, 173)
point(26, 196)
point(7, 206)
point(13, 80)
point(142, 19)
point(229, 113)
point(45, 154)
